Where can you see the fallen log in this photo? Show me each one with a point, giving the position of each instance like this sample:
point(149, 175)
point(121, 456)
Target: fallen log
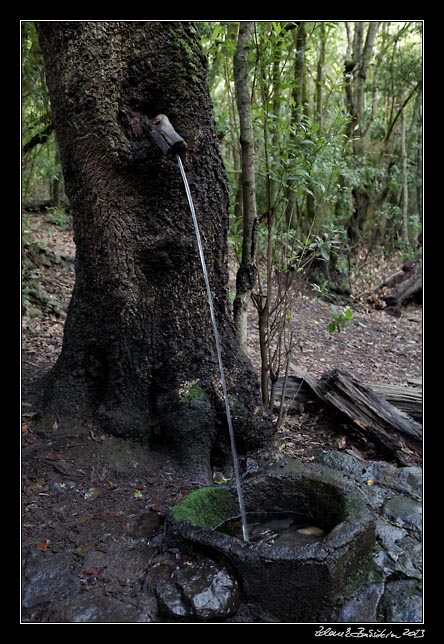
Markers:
point(39, 138)
point(407, 399)
point(41, 205)
point(405, 292)
point(373, 416)
point(299, 392)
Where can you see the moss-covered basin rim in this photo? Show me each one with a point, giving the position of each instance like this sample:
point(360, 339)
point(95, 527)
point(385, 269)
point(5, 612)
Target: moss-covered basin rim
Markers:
point(206, 507)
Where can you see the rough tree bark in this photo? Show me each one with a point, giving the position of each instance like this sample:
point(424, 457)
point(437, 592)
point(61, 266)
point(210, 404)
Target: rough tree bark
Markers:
point(320, 76)
point(138, 356)
point(246, 275)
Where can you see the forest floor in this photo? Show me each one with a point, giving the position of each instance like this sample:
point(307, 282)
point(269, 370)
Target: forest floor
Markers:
point(73, 498)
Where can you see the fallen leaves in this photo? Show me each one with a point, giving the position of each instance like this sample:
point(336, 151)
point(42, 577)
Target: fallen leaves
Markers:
point(95, 438)
point(84, 519)
point(43, 546)
point(52, 456)
point(91, 572)
point(178, 499)
point(84, 548)
point(37, 485)
point(92, 493)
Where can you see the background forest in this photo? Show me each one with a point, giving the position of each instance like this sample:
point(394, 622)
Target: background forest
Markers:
point(337, 109)
point(336, 156)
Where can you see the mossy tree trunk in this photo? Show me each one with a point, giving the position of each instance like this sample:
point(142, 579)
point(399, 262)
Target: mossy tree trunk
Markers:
point(138, 356)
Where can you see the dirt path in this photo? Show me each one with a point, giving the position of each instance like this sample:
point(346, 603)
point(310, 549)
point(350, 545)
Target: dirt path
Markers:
point(377, 348)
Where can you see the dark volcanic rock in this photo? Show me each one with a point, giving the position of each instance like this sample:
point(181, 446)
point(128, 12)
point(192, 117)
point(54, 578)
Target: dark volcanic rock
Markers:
point(121, 562)
point(402, 602)
point(95, 607)
point(363, 606)
point(47, 577)
point(404, 512)
point(200, 589)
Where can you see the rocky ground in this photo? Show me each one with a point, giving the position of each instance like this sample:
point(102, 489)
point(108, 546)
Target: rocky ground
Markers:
point(93, 508)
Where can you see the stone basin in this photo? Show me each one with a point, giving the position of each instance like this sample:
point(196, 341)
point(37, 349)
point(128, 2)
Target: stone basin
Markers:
point(303, 583)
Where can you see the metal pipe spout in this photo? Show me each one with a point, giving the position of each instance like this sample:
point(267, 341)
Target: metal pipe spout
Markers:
point(166, 137)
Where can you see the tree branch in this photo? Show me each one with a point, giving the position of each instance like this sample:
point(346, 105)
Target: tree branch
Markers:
point(39, 138)
point(399, 112)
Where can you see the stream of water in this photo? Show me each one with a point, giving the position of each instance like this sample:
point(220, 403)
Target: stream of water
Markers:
point(219, 353)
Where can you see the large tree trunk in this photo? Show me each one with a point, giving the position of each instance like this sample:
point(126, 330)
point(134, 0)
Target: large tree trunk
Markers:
point(138, 355)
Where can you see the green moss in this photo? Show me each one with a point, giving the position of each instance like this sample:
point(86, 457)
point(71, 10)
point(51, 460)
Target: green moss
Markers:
point(207, 507)
point(193, 394)
point(368, 572)
point(353, 505)
point(188, 52)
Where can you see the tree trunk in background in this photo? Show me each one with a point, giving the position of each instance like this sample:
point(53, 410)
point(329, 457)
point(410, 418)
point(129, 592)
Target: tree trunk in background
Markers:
point(320, 77)
point(405, 183)
point(246, 275)
point(300, 39)
point(355, 74)
point(138, 356)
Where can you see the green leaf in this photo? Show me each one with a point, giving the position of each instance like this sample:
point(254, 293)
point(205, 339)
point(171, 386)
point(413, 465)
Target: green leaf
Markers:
point(332, 327)
point(30, 414)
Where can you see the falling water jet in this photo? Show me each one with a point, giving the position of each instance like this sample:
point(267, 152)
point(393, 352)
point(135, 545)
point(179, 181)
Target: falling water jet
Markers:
point(218, 351)
point(173, 145)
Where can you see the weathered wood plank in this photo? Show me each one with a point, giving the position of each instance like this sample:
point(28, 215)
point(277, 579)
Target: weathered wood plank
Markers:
point(374, 417)
point(407, 399)
point(370, 408)
point(300, 389)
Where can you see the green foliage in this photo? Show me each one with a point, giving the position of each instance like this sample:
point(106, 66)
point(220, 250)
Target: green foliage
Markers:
point(340, 319)
point(59, 217)
point(308, 165)
point(35, 300)
point(191, 393)
point(41, 168)
point(322, 290)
